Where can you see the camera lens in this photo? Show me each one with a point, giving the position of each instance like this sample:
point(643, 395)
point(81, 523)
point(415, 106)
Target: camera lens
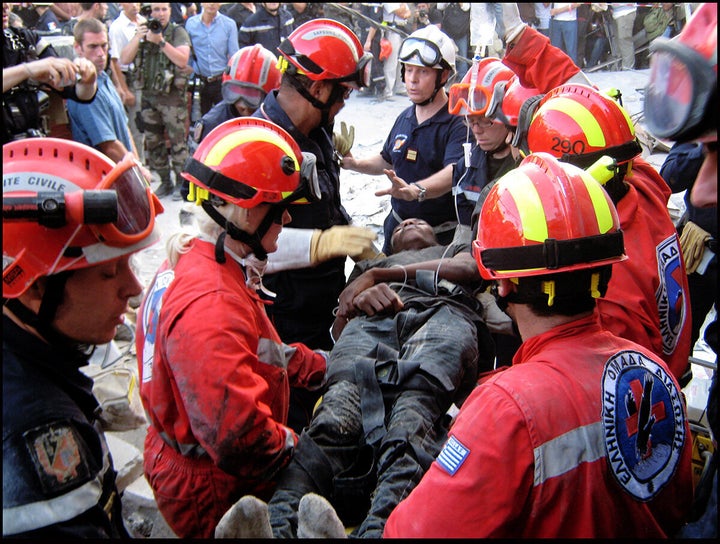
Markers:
point(154, 26)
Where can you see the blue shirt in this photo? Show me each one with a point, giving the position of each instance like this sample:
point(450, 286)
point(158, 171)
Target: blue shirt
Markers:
point(418, 151)
point(103, 119)
point(212, 45)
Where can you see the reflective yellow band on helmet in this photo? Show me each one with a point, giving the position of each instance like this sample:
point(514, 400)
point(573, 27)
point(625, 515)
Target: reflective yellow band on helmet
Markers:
point(600, 204)
point(581, 115)
point(251, 134)
point(530, 207)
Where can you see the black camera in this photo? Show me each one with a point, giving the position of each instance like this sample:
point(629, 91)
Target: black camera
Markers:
point(153, 25)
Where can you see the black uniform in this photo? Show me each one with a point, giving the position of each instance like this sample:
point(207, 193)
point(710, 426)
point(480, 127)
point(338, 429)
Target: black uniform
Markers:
point(58, 476)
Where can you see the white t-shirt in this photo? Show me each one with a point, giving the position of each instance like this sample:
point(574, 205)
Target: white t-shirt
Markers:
point(120, 33)
point(565, 15)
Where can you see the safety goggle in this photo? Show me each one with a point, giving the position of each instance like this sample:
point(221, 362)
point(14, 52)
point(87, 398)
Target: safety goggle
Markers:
point(466, 99)
point(232, 91)
point(681, 88)
point(426, 51)
point(137, 205)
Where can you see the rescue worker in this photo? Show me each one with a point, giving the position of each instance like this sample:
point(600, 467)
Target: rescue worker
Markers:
point(392, 376)
point(30, 67)
point(322, 62)
point(268, 26)
point(425, 141)
point(576, 123)
point(251, 73)
point(681, 104)
point(586, 434)
point(215, 375)
point(67, 280)
point(159, 57)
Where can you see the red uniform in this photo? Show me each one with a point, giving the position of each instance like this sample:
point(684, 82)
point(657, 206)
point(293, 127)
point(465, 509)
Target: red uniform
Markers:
point(584, 436)
point(215, 381)
point(647, 301)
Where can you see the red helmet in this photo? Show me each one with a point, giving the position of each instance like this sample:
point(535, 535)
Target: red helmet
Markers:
point(247, 161)
point(323, 49)
point(579, 124)
point(251, 73)
point(75, 180)
point(486, 75)
point(681, 94)
point(545, 217)
point(508, 100)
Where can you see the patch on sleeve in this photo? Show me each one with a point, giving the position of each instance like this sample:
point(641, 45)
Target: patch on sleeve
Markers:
point(57, 456)
point(643, 423)
point(452, 456)
point(672, 301)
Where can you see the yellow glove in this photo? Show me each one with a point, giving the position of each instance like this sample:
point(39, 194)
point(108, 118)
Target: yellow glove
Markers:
point(692, 242)
point(340, 241)
point(343, 141)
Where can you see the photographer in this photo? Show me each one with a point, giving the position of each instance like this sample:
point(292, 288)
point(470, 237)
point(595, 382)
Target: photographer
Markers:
point(160, 51)
point(31, 67)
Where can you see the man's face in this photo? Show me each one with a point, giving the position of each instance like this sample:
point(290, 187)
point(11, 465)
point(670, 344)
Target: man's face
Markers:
point(161, 12)
point(419, 82)
point(271, 7)
point(6, 14)
point(101, 10)
point(130, 9)
point(94, 48)
point(489, 134)
point(412, 234)
point(211, 8)
point(704, 191)
point(95, 301)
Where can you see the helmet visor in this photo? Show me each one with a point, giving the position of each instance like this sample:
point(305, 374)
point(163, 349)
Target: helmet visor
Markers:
point(679, 92)
point(137, 205)
point(424, 50)
point(464, 100)
point(232, 91)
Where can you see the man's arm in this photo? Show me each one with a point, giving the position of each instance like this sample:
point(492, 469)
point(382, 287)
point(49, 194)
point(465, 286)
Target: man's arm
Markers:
point(372, 166)
point(461, 268)
point(113, 149)
point(435, 185)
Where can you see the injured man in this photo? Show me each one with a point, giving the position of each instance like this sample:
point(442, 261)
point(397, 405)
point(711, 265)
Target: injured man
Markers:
point(414, 338)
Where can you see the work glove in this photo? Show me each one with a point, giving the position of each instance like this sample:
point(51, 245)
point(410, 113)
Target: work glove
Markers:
point(343, 141)
point(692, 242)
point(512, 21)
point(340, 241)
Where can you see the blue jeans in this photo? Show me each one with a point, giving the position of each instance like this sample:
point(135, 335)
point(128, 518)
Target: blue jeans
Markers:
point(563, 34)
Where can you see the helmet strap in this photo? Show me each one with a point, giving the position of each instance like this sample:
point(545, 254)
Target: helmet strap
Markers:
point(324, 107)
point(42, 321)
point(253, 241)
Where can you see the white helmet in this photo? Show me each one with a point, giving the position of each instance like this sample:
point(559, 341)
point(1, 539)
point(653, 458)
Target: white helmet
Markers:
point(430, 47)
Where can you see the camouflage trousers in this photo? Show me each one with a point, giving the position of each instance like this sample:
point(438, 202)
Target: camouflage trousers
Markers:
point(165, 114)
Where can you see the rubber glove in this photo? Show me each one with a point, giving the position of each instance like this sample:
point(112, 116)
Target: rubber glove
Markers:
point(343, 141)
point(340, 241)
point(513, 23)
point(692, 242)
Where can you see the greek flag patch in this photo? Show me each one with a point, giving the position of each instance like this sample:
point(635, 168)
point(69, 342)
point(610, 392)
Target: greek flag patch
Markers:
point(452, 456)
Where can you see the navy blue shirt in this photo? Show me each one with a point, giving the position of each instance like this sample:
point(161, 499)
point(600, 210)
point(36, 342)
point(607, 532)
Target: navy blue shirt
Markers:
point(418, 151)
point(58, 477)
point(266, 29)
point(306, 297)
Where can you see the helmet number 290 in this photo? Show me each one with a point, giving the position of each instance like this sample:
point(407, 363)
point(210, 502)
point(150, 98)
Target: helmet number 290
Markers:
point(566, 146)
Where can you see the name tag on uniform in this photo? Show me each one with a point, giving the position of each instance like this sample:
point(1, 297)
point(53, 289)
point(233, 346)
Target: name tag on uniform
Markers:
point(411, 155)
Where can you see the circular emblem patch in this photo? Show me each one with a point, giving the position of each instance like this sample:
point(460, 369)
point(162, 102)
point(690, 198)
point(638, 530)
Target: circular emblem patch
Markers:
point(643, 423)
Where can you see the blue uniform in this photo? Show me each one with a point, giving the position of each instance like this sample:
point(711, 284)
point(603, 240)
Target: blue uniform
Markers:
point(306, 297)
point(469, 181)
point(103, 119)
point(266, 29)
point(58, 476)
point(416, 152)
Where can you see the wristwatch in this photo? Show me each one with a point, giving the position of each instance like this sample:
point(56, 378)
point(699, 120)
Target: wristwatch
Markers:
point(421, 194)
point(162, 43)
